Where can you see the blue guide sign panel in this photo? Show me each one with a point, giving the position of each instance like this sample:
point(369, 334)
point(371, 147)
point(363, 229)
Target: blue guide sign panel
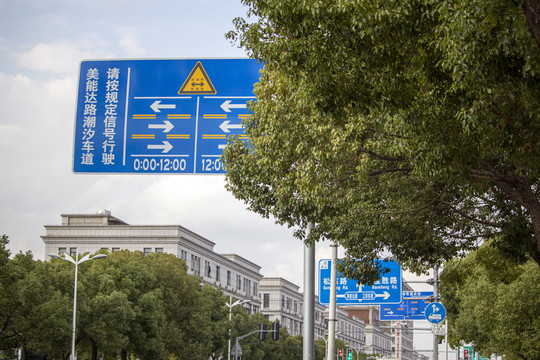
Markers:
point(160, 116)
point(412, 307)
point(387, 290)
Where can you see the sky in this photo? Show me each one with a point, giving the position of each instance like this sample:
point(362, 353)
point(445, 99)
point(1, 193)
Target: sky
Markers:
point(42, 43)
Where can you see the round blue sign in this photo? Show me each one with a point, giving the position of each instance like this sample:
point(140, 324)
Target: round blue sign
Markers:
point(435, 313)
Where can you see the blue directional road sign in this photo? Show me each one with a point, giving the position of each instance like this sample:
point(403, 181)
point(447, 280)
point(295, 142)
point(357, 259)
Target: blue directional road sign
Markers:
point(412, 307)
point(387, 290)
point(435, 313)
point(160, 116)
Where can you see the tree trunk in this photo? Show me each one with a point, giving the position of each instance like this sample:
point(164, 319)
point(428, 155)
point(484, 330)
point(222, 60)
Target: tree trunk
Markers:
point(94, 350)
point(531, 9)
point(123, 355)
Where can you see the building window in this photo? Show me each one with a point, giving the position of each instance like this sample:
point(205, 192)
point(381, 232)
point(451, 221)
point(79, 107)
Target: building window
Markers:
point(159, 250)
point(228, 277)
point(255, 289)
point(147, 251)
point(62, 250)
point(208, 269)
point(238, 282)
point(218, 273)
point(115, 249)
point(196, 265)
point(247, 286)
point(266, 300)
point(73, 252)
point(183, 255)
point(282, 302)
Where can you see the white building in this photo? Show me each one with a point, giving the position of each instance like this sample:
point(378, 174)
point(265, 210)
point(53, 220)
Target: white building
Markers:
point(236, 276)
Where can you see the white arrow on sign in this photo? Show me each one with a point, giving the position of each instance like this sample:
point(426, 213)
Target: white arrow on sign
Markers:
point(166, 126)
point(385, 295)
point(227, 106)
point(166, 147)
point(225, 126)
point(157, 106)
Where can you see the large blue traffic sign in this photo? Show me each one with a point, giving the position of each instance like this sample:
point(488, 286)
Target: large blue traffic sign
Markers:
point(412, 307)
point(435, 313)
point(160, 116)
point(387, 290)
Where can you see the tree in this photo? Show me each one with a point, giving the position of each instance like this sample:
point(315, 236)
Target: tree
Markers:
point(406, 128)
point(493, 303)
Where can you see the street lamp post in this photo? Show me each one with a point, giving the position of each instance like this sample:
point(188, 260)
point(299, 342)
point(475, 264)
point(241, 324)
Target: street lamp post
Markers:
point(76, 262)
point(230, 304)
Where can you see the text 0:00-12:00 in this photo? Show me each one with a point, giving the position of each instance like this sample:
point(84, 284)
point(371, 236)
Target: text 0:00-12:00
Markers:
point(174, 165)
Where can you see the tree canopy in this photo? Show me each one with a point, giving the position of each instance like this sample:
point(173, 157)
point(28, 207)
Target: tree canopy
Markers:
point(405, 129)
point(493, 303)
point(127, 304)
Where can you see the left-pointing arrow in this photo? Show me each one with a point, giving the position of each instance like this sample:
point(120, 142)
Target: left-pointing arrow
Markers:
point(166, 126)
point(157, 106)
point(166, 147)
point(225, 126)
point(227, 106)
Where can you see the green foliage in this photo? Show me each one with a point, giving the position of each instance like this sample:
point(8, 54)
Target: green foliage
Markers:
point(407, 128)
point(127, 305)
point(493, 303)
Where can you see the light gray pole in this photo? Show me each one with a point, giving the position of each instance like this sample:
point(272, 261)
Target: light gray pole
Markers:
point(309, 301)
point(436, 295)
point(74, 306)
point(76, 261)
point(332, 308)
point(231, 305)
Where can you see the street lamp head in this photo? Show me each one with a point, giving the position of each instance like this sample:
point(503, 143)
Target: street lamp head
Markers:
point(98, 256)
point(55, 256)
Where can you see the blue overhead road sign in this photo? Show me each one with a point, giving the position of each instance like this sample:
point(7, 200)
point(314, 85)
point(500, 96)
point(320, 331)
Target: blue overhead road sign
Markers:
point(387, 290)
point(160, 116)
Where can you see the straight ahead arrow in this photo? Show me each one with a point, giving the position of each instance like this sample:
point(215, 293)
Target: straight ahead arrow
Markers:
point(157, 106)
point(166, 147)
point(227, 106)
point(166, 126)
point(225, 126)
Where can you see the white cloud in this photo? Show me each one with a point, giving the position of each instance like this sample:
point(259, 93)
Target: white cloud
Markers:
point(129, 41)
point(62, 56)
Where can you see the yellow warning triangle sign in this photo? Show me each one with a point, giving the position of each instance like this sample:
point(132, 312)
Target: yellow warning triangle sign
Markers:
point(197, 82)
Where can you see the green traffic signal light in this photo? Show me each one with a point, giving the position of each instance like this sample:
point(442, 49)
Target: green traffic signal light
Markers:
point(349, 354)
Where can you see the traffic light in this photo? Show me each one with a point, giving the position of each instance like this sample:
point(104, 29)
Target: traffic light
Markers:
point(466, 354)
point(340, 354)
point(262, 331)
point(275, 331)
point(349, 354)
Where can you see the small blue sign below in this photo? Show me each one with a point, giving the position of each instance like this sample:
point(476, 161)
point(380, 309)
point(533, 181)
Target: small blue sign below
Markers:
point(435, 313)
point(387, 290)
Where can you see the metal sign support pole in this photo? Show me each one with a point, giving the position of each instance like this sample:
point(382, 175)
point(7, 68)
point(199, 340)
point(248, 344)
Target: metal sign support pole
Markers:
point(332, 309)
point(309, 301)
point(436, 295)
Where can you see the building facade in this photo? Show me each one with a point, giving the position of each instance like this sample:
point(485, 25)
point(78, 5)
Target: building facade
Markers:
point(235, 275)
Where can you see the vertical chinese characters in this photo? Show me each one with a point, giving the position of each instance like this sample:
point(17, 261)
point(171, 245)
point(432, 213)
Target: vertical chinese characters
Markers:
point(89, 124)
point(109, 121)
